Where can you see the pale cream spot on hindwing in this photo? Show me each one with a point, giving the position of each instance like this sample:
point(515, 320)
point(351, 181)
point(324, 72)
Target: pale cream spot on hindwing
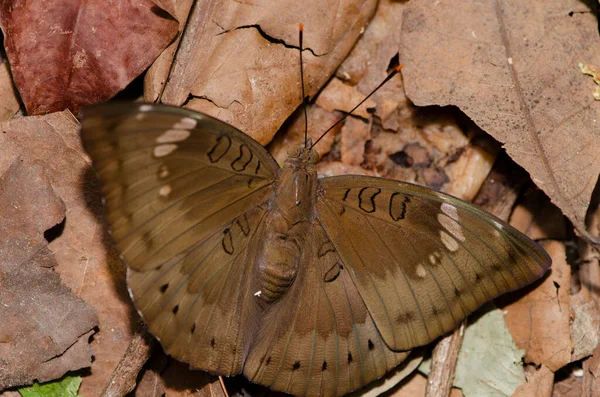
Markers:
point(171, 136)
point(164, 150)
point(421, 271)
point(451, 226)
point(163, 171)
point(165, 191)
point(186, 123)
point(449, 210)
point(145, 108)
point(448, 241)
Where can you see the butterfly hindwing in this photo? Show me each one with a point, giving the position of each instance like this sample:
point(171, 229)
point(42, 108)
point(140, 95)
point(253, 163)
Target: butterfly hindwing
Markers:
point(319, 339)
point(422, 260)
point(185, 199)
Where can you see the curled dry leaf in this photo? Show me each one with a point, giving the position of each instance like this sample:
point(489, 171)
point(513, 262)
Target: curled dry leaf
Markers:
point(239, 61)
point(86, 262)
point(65, 54)
point(45, 328)
point(511, 66)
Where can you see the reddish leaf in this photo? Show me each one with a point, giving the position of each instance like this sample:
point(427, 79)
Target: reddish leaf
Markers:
point(68, 53)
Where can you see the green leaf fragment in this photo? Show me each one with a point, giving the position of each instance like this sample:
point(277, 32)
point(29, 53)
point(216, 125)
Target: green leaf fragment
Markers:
point(64, 387)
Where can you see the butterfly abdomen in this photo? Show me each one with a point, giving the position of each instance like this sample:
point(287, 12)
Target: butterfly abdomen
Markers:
point(279, 257)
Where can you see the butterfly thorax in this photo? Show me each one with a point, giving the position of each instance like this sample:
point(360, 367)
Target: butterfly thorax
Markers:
point(287, 223)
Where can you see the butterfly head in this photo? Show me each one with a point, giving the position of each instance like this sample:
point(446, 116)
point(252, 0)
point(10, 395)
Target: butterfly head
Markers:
point(303, 154)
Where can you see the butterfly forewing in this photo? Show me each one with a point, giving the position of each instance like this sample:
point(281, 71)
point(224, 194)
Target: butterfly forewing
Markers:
point(320, 338)
point(185, 197)
point(421, 260)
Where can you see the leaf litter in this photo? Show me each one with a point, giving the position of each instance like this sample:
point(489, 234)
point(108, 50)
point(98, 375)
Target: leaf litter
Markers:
point(239, 62)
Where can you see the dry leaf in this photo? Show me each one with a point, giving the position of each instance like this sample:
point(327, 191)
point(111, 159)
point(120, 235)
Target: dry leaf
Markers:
point(9, 104)
point(69, 53)
point(45, 329)
point(86, 262)
point(585, 326)
point(539, 383)
point(339, 96)
point(511, 66)
point(238, 62)
point(367, 65)
point(539, 320)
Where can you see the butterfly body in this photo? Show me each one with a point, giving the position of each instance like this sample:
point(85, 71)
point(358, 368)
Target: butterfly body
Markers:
point(313, 287)
point(287, 224)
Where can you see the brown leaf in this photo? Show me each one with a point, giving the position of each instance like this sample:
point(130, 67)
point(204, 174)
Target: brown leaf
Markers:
point(9, 104)
point(367, 64)
point(511, 66)
point(539, 321)
point(239, 62)
point(45, 328)
point(87, 264)
point(539, 383)
point(68, 53)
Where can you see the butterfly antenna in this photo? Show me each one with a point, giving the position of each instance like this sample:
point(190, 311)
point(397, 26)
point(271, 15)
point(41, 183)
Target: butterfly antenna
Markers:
point(389, 76)
point(300, 29)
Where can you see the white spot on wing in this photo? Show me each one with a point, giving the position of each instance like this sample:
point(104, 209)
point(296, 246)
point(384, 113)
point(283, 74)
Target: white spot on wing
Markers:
point(165, 190)
point(448, 241)
point(164, 150)
point(257, 293)
point(170, 136)
point(145, 108)
point(451, 226)
point(421, 272)
point(186, 123)
point(449, 210)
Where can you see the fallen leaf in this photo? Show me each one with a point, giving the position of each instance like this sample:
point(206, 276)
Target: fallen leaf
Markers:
point(45, 328)
point(339, 96)
point(539, 320)
point(368, 63)
point(540, 382)
point(511, 66)
point(87, 263)
point(65, 54)
point(9, 104)
point(585, 326)
point(239, 61)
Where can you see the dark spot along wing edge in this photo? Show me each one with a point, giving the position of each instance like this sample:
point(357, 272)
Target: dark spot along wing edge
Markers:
point(416, 281)
point(200, 305)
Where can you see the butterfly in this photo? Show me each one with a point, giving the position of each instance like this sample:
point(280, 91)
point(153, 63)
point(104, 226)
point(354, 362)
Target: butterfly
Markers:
point(308, 286)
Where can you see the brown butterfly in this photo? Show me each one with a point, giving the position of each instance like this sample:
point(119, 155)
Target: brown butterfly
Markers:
point(309, 286)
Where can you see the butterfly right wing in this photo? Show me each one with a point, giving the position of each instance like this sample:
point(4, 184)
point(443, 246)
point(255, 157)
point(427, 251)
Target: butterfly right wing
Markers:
point(185, 197)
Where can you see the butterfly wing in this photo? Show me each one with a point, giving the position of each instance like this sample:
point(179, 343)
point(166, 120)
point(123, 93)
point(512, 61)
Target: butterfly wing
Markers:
point(421, 260)
point(185, 198)
point(319, 339)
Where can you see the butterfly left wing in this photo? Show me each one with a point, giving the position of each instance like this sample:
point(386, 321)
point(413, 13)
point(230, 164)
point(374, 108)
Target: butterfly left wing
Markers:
point(186, 196)
point(319, 339)
point(422, 260)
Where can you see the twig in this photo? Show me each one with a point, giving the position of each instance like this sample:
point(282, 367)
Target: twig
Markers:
point(443, 363)
point(123, 378)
